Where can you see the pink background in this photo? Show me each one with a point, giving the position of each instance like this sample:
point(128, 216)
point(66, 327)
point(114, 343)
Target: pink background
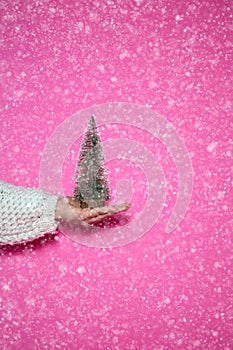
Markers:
point(162, 291)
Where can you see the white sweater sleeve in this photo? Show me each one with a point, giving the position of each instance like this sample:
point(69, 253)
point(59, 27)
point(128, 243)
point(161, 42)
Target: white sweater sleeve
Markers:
point(25, 213)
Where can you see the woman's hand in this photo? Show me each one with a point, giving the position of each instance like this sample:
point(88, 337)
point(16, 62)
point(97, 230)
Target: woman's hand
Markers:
point(69, 210)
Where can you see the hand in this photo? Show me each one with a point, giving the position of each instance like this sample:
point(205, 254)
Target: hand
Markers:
point(69, 210)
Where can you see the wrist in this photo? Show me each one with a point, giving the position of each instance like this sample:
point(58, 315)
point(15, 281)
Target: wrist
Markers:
point(61, 208)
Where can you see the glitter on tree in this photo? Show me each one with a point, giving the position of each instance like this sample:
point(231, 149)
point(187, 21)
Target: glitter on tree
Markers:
point(91, 183)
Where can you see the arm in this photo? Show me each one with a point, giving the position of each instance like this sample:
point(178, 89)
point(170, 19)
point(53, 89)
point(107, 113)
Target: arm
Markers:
point(29, 213)
point(25, 213)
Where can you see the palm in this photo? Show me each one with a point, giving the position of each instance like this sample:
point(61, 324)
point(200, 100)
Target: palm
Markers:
point(94, 215)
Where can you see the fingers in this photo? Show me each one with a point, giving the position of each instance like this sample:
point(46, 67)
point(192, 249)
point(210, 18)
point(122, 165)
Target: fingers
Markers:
point(113, 209)
point(86, 214)
point(96, 219)
point(99, 214)
point(110, 210)
point(93, 215)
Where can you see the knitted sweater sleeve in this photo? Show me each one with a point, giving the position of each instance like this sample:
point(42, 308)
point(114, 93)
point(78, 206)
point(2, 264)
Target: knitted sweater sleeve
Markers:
point(25, 213)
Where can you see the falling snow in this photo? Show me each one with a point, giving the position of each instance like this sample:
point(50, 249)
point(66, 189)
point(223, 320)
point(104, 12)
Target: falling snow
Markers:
point(162, 291)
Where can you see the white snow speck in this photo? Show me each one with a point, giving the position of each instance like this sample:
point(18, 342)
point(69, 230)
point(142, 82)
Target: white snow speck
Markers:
point(179, 18)
point(221, 194)
point(101, 68)
point(196, 343)
point(114, 79)
point(6, 287)
point(167, 300)
point(172, 335)
point(210, 148)
point(81, 269)
point(214, 333)
point(124, 54)
point(52, 10)
point(138, 2)
point(152, 84)
point(217, 264)
point(79, 27)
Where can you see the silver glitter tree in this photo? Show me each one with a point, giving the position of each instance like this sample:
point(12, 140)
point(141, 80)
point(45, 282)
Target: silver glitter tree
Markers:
point(91, 184)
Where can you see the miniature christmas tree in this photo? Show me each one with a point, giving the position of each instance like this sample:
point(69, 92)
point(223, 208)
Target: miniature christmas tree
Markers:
point(91, 184)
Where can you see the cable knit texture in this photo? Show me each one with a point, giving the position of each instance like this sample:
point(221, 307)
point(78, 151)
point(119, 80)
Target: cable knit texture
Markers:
point(25, 213)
